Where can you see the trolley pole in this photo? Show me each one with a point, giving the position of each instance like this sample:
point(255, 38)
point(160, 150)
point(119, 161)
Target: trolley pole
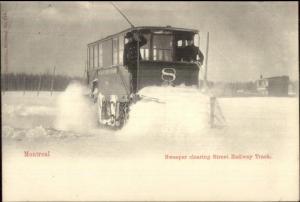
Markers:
point(116, 7)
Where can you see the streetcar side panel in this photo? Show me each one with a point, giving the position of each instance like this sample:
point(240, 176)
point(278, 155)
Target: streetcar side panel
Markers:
point(114, 81)
point(105, 59)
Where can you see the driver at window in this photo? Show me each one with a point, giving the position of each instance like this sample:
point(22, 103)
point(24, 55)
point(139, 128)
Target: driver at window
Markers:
point(131, 55)
point(190, 52)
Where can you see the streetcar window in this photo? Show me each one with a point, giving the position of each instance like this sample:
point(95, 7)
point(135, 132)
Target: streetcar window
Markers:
point(115, 51)
point(144, 50)
point(95, 55)
point(100, 55)
point(107, 53)
point(179, 43)
point(162, 47)
point(91, 56)
point(196, 40)
point(121, 49)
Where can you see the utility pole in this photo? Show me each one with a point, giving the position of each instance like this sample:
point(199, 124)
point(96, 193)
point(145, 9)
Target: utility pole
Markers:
point(24, 84)
point(52, 82)
point(3, 83)
point(39, 85)
point(206, 58)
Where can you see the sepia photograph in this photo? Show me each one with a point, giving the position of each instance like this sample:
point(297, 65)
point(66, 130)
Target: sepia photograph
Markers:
point(150, 101)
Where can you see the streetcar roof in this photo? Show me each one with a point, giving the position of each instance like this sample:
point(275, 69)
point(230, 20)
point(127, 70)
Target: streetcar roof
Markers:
point(166, 28)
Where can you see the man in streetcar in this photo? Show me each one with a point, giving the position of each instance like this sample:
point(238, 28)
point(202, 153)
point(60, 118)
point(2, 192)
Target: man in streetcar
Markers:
point(131, 55)
point(190, 52)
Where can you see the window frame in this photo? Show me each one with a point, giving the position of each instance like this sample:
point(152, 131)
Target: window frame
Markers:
point(149, 42)
point(91, 56)
point(115, 50)
point(100, 55)
point(95, 56)
point(121, 41)
point(172, 49)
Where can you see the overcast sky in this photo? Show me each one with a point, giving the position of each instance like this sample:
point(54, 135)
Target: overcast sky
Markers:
point(246, 39)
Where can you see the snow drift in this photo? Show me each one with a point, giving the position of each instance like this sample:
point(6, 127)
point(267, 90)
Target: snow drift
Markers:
point(74, 111)
point(169, 112)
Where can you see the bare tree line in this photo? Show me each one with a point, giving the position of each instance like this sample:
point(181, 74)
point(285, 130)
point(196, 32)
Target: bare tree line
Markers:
point(35, 82)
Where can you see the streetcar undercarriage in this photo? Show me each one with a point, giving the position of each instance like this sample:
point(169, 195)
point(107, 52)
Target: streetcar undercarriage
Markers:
point(111, 111)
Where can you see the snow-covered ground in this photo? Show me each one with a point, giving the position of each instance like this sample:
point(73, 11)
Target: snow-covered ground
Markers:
point(91, 163)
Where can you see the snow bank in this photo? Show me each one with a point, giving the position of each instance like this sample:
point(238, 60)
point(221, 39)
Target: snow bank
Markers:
point(168, 112)
point(22, 110)
point(35, 133)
